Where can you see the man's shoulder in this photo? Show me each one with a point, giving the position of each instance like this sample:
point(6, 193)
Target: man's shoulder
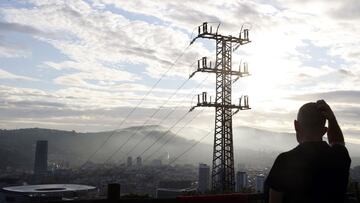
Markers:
point(302, 152)
point(284, 156)
point(289, 154)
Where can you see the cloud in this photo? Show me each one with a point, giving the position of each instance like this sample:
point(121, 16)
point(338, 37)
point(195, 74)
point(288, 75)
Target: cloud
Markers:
point(16, 27)
point(10, 76)
point(12, 49)
point(78, 109)
point(347, 10)
point(113, 56)
point(99, 38)
point(341, 96)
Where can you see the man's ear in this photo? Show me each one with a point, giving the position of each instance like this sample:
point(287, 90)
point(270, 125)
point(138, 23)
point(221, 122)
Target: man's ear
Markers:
point(297, 130)
point(296, 125)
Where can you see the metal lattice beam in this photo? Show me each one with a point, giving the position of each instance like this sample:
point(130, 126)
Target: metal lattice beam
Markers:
point(223, 174)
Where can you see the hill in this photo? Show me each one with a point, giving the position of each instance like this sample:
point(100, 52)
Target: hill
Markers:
point(252, 146)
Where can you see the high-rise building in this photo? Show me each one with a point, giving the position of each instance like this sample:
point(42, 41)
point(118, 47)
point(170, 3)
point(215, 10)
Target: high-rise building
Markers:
point(204, 178)
point(41, 157)
point(259, 183)
point(241, 180)
point(156, 162)
point(138, 161)
point(241, 167)
point(129, 161)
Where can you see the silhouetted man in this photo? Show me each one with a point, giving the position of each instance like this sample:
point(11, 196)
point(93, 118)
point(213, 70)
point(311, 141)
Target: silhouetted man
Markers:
point(314, 171)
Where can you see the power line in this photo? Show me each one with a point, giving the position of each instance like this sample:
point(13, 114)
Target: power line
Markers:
point(143, 125)
point(190, 148)
point(132, 111)
point(169, 113)
point(165, 133)
point(175, 134)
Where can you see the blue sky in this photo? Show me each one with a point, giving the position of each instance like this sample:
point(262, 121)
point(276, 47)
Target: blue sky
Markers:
point(83, 65)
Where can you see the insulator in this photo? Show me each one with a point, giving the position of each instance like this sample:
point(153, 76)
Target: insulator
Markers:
point(205, 27)
point(246, 34)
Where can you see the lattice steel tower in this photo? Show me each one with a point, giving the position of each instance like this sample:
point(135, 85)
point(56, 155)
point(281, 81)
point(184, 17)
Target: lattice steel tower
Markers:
point(223, 174)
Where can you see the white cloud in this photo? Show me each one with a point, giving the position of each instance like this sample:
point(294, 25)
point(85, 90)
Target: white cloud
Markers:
point(12, 50)
point(10, 76)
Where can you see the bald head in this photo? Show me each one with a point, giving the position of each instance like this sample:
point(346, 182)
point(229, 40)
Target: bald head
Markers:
point(310, 121)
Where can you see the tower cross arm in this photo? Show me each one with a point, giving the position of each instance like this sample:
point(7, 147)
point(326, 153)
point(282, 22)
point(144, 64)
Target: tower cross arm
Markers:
point(203, 101)
point(228, 38)
point(231, 106)
point(207, 32)
point(204, 66)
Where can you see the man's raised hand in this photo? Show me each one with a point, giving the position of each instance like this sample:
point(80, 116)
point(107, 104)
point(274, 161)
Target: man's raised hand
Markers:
point(325, 110)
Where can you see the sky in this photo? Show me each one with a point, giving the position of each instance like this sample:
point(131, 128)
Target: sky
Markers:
point(85, 64)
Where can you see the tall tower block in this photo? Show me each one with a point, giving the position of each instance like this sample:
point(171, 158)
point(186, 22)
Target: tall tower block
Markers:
point(41, 157)
point(204, 178)
point(223, 174)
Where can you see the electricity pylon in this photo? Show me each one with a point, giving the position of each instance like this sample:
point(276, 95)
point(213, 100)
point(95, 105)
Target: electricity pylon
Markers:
point(223, 174)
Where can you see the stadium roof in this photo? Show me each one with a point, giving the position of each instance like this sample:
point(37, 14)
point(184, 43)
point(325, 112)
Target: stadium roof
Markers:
point(48, 188)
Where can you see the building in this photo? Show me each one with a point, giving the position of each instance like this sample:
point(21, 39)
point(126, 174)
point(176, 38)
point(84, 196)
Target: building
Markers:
point(138, 161)
point(259, 183)
point(172, 189)
point(41, 157)
point(46, 193)
point(129, 161)
point(241, 180)
point(241, 167)
point(176, 184)
point(166, 193)
point(204, 178)
point(156, 162)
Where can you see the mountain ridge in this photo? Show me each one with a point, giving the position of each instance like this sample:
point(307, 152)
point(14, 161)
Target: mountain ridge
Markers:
point(252, 145)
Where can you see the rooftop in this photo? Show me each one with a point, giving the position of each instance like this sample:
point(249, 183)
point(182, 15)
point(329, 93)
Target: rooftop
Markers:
point(48, 188)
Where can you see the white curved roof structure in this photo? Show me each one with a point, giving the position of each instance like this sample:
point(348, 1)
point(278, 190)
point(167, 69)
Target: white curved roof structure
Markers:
point(48, 188)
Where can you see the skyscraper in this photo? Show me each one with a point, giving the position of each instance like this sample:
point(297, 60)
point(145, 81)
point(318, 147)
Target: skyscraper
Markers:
point(138, 161)
point(241, 167)
point(241, 180)
point(204, 178)
point(129, 161)
point(156, 162)
point(259, 183)
point(41, 156)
